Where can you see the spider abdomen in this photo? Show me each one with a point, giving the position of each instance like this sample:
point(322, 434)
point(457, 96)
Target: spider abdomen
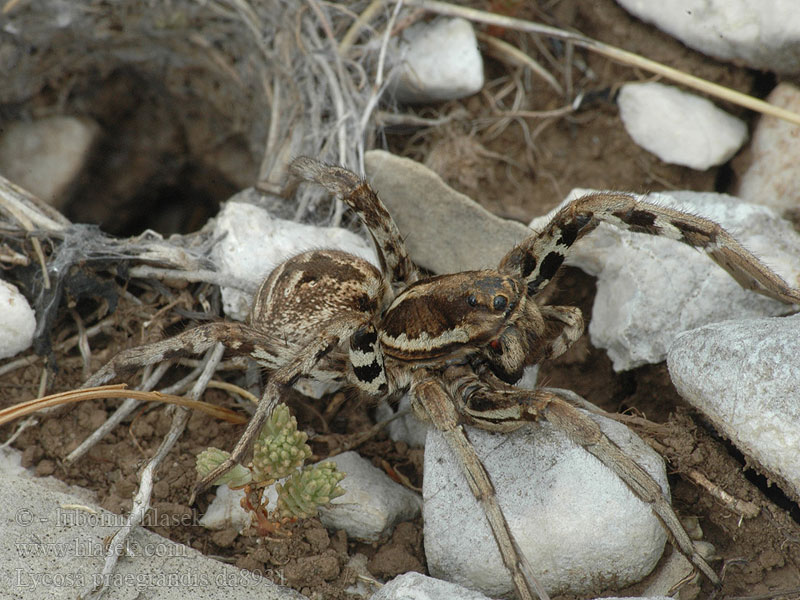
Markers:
point(311, 289)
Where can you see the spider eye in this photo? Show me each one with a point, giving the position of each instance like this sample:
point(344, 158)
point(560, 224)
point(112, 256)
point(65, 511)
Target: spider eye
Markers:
point(500, 302)
point(472, 300)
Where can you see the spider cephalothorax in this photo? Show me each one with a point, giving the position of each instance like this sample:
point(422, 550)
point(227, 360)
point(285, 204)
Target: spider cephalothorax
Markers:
point(455, 341)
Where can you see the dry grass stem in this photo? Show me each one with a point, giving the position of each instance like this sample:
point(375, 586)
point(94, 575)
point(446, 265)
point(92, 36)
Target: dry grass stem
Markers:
point(506, 52)
point(746, 509)
point(115, 391)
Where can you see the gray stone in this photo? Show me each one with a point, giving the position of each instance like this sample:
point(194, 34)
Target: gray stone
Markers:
point(579, 525)
point(45, 156)
point(439, 60)
point(679, 127)
point(745, 376)
point(53, 547)
point(746, 32)
point(416, 586)
point(650, 289)
point(406, 428)
point(445, 231)
point(372, 504)
point(772, 178)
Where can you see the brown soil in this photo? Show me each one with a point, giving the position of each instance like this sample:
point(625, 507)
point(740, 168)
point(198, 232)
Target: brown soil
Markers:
point(514, 177)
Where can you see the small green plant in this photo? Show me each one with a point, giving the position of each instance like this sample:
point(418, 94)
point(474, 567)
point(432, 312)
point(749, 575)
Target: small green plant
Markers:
point(279, 452)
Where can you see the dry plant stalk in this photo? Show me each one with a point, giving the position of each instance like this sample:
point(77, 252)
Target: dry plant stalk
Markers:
point(115, 391)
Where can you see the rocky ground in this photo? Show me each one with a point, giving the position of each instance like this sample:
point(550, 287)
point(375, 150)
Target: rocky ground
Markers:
point(715, 402)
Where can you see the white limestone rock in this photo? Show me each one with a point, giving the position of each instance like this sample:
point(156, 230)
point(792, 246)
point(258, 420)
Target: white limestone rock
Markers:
point(440, 61)
point(580, 527)
point(372, 504)
point(746, 32)
point(406, 428)
point(369, 509)
point(45, 156)
point(253, 243)
point(17, 321)
point(679, 127)
point(772, 178)
point(226, 512)
point(52, 546)
point(745, 376)
point(416, 586)
point(650, 289)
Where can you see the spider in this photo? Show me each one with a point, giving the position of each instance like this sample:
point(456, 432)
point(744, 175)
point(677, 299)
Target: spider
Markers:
point(457, 342)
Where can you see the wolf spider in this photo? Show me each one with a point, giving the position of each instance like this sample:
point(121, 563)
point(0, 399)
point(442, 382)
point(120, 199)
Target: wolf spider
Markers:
point(458, 342)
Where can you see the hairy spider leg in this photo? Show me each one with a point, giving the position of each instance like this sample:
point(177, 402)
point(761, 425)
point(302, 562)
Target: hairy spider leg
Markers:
point(432, 402)
point(303, 363)
point(538, 258)
point(237, 336)
point(504, 408)
point(359, 196)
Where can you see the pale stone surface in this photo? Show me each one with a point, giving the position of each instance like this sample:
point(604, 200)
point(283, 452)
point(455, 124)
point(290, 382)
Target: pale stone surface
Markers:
point(45, 156)
point(369, 509)
point(225, 511)
point(745, 376)
point(746, 32)
point(445, 231)
point(581, 528)
point(772, 178)
point(650, 288)
point(52, 547)
point(17, 321)
point(253, 243)
point(440, 61)
point(406, 428)
point(416, 586)
point(372, 504)
point(679, 127)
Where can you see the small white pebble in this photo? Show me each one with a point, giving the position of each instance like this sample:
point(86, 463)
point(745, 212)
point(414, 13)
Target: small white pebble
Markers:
point(225, 511)
point(441, 61)
point(608, 537)
point(679, 127)
point(772, 178)
point(416, 586)
point(45, 156)
point(17, 321)
point(372, 504)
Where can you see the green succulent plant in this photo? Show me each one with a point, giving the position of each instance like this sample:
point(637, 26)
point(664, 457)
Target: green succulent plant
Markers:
point(280, 448)
point(279, 452)
point(210, 458)
point(305, 491)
